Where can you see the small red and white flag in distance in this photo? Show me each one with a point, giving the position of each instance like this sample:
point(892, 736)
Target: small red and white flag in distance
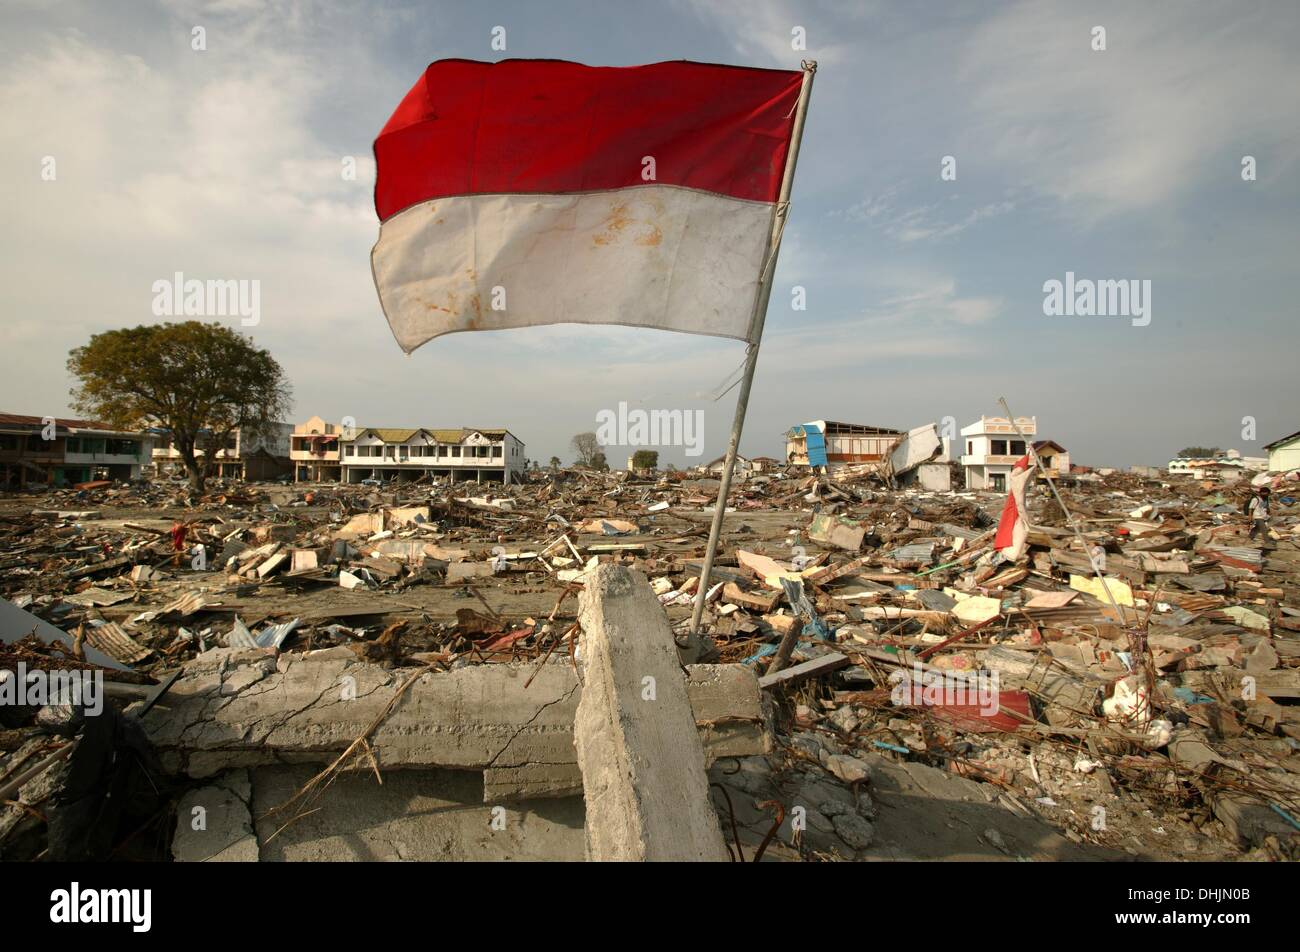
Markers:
point(1013, 529)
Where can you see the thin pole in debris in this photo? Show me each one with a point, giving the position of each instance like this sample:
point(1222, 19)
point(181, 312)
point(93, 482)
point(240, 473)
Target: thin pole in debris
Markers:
point(755, 336)
point(1069, 516)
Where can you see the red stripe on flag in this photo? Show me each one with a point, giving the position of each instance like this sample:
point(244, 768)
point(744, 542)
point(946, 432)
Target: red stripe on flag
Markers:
point(1010, 512)
point(1007, 526)
point(548, 126)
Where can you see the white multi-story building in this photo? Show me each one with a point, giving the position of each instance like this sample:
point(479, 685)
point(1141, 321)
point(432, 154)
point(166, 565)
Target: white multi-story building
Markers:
point(254, 455)
point(1201, 467)
point(388, 453)
point(992, 447)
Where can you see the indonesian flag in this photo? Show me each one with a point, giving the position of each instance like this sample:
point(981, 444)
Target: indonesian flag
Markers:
point(1013, 530)
point(532, 192)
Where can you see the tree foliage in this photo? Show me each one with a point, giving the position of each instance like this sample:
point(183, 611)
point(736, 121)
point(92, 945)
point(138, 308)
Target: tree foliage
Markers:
point(645, 459)
point(199, 381)
point(1200, 452)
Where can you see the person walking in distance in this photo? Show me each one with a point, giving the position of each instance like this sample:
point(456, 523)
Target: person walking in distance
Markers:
point(179, 531)
point(1258, 510)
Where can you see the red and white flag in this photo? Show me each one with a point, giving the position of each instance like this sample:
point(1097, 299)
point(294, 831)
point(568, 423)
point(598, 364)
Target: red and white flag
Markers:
point(1013, 530)
point(532, 192)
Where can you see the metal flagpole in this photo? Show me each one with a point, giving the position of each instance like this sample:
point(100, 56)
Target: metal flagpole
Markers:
point(1136, 639)
point(1069, 516)
point(756, 335)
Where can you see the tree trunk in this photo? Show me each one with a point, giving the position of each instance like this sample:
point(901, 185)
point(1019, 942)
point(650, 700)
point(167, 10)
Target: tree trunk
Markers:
point(193, 468)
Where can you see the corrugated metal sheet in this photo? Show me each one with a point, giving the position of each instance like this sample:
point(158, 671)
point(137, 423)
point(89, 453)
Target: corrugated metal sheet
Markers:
point(912, 552)
point(111, 639)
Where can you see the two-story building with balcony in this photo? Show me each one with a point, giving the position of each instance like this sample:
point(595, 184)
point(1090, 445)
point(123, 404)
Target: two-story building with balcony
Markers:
point(993, 445)
point(76, 451)
point(316, 450)
point(405, 455)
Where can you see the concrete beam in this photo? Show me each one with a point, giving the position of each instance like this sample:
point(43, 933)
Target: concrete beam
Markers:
point(245, 708)
point(641, 756)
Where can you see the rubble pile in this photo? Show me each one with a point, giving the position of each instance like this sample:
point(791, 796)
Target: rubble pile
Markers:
point(1126, 689)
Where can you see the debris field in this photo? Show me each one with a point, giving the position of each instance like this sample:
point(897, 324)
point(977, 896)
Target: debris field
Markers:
point(422, 671)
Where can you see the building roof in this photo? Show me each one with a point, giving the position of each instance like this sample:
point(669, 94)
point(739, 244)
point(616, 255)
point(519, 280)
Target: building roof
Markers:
point(832, 428)
point(987, 425)
point(35, 422)
point(391, 434)
point(1283, 441)
point(1044, 444)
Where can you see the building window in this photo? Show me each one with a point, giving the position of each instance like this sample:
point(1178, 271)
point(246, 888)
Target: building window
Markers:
point(999, 448)
point(970, 451)
point(496, 451)
point(1017, 447)
point(455, 451)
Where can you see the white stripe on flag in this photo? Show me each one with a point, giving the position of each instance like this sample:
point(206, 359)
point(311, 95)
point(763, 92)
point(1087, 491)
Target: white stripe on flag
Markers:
point(650, 256)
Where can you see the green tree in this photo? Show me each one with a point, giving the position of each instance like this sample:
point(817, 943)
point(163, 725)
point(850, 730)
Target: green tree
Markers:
point(200, 382)
point(645, 459)
point(555, 462)
point(599, 462)
point(1200, 452)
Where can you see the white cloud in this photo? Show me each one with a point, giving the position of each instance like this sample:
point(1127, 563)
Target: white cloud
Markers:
point(1177, 97)
point(929, 222)
point(926, 318)
point(762, 30)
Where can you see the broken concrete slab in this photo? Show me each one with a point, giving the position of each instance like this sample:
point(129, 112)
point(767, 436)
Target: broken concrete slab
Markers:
point(416, 815)
point(643, 767)
point(836, 532)
point(214, 824)
point(241, 708)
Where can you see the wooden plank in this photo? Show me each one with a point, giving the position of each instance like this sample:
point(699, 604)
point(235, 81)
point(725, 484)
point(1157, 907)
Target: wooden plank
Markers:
point(808, 669)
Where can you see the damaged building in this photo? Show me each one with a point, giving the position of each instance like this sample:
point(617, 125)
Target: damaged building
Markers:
point(49, 451)
point(247, 454)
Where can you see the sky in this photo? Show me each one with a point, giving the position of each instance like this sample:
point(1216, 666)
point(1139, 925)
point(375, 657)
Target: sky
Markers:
point(924, 293)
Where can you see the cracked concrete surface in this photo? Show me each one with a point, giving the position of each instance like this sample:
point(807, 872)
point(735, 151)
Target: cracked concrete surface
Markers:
point(238, 708)
point(415, 815)
point(214, 824)
point(643, 764)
